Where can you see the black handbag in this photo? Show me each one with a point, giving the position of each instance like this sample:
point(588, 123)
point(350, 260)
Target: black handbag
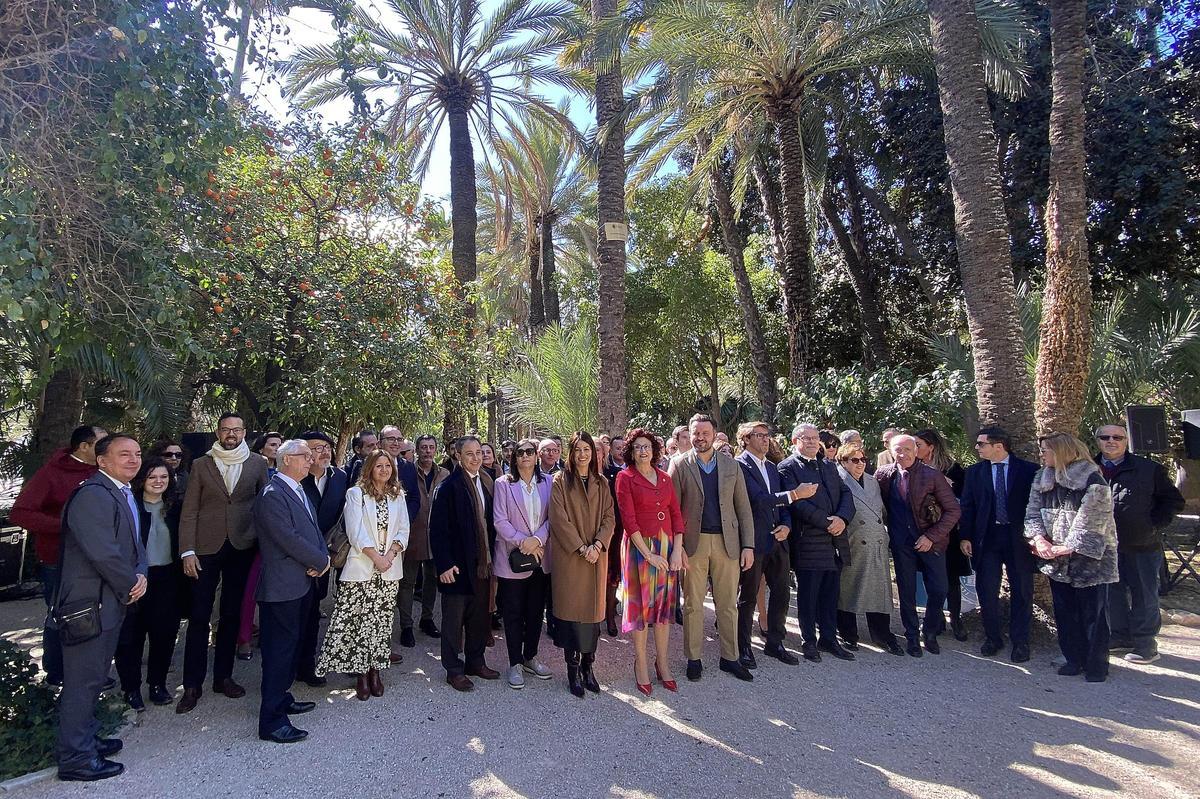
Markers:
point(520, 563)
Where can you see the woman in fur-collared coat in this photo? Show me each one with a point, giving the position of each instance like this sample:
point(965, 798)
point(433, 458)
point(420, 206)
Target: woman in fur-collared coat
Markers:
point(1069, 524)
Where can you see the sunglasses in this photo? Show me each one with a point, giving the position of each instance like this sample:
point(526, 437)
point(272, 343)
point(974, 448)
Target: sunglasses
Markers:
point(1111, 438)
point(172, 456)
point(526, 452)
point(856, 460)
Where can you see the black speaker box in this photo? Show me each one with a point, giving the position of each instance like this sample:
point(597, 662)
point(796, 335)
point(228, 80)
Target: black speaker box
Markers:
point(1147, 428)
point(1191, 433)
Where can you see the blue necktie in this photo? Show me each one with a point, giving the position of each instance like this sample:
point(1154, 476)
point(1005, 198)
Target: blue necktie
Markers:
point(1001, 495)
point(307, 505)
point(138, 546)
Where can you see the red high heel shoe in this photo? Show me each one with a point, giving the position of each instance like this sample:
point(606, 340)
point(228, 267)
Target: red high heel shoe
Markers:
point(670, 685)
point(646, 689)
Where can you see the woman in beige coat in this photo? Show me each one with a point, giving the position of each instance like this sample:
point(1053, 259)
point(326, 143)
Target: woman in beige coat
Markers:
point(581, 529)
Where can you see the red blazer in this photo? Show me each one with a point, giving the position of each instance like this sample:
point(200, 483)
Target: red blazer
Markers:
point(928, 489)
point(647, 508)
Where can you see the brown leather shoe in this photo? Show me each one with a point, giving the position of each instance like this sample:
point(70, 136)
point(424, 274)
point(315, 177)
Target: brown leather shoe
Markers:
point(362, 688)
point(375, 683)
point(459, 682)
point(394, 659)
point(187, 702)
point(483, 672)
point(228, 687)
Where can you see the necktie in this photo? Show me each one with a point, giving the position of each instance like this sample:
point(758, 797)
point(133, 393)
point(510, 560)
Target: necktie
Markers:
point(904, 484)
point(307, 505)
point(1001, 487)
point(133, 510)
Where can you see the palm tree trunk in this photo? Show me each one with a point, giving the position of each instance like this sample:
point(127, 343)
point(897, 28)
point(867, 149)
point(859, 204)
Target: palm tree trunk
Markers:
point(735, 248)
point(549, 277)
point(1064, 351)
point(610, 195)
point(795, 270)
point(60, 413)
point(1002, 385)
point(770, 202)
point(875, 347)
point(243, 43)
point(464, 224)
point(537, 307)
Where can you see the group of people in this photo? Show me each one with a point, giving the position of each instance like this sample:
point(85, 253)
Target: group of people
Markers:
point(536, 534)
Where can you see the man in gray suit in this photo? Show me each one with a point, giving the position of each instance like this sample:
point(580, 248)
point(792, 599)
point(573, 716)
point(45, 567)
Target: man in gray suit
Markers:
point(102, 563)
point(718, 538)
point(294, 555)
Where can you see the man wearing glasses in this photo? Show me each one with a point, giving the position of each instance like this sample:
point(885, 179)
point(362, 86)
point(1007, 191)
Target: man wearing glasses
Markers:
point(216, 543)
point(995, 493)
point(1144, 501)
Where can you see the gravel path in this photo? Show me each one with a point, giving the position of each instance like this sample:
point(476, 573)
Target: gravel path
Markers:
point(955, 725)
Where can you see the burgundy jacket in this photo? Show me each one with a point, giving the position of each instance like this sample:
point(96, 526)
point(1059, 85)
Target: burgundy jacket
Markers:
point(929, 495)
point(39, 505)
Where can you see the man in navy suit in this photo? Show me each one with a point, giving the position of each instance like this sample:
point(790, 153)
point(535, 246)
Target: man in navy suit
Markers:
point(294, 555)
point(772, 524)
point(325, 486)
point(995, 494)
point(102, 564)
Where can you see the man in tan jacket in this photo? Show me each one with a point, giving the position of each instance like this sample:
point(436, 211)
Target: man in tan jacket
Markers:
point(718, 539)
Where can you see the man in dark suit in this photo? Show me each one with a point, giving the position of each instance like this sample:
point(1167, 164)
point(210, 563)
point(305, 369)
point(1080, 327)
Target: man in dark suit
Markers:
point(817, 544)
point(102, 562)
point(995, 493)
point(461, 537)
point(325, 488)
point(392, 440)
point(294, 555)
point(922, 510)
point(772, 524)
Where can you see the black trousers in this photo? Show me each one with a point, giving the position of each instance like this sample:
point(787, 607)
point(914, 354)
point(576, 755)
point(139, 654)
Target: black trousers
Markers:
point(521, 606)
point(85, 670)
point(933, 568)
point(307, 666)
point(988, 565)
point(1082, 618)
point(776, 568)
point(229, 568)
point(424, 573)
point(816, 603)
point(465, 616)
point(879, 627)
point(154, 617)
point(52, 660)
point(280, 628)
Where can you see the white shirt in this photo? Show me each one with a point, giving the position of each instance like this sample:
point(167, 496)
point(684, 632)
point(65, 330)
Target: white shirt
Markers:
point(321, 481)
point(533, 502)
point(762, 468)
point(474, 478)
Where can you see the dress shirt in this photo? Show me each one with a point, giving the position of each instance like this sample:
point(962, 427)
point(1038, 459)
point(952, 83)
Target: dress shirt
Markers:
point(533, 502)
point(299, 493)
point(762, 469)
point(707, 467)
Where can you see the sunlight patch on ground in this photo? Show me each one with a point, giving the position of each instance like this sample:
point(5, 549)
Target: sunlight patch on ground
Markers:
point(476, 745)
point(489, 786)
point(661, 713)
point(918, 788)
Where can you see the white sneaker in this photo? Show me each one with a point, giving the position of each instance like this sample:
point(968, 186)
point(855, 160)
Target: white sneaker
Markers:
point(1136, 657)
point(516, 680)
point(537, 669)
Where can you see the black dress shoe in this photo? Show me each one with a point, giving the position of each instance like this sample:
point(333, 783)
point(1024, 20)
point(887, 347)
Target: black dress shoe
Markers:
point(851, 645)
point(134, 700)
point(287, 734)
point(1069, 670)
point(809, 650)
point(932, 646)
point(747, 660)
point(736, 668)
point(407, 638)
point(989, 648)
point(835, 649)
point(229, 688)
point(98, 769)
point(959, 629)
point(430, 629)
point(1020, 653)
point(313, 681)
point(914, 649)
point(296, 708)
point(893, 647)
point(781, 654)
point(159, 695)
point(107, 747)
point(694, 670)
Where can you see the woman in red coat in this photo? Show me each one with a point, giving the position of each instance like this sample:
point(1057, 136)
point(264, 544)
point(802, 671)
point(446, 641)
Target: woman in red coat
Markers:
point(652, 554)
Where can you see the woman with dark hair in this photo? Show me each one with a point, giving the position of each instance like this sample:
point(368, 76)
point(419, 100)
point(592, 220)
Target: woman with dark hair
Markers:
point(933, 451)
point(581, 529)
point(521, 513)
point(490, 464)
point(829, 444)
point(156, 616)
point(652, 554)
point(267, 444)
point(178, 459)
point(358, 641)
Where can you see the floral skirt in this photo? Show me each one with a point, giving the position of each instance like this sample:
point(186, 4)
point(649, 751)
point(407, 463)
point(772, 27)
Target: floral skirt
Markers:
point(648, 594)
point(360, 632)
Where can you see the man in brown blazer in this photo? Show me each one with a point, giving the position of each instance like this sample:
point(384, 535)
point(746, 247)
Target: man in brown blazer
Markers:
point(418, 563)
point(718, 539)
point(217, 545)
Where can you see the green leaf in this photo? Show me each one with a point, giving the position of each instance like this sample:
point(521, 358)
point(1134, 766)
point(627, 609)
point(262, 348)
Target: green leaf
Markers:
point(168, 157)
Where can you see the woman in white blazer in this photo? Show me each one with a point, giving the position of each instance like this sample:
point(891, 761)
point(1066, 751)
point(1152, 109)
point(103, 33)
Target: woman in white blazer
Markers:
point(377, 525)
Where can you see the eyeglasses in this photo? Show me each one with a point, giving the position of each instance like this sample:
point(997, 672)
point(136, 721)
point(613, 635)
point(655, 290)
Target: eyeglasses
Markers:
point(811, 439)
point(643, 447)
point(172, 456)
point(856, 460)
point(526, 452)
point(319, 447)
point(984, 443)
point(1110, 438)
point(235, 430)
point(392, 439)
point(758, 434)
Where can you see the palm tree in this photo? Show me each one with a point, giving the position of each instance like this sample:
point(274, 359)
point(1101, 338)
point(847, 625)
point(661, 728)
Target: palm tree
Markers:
point(444, 64)
point(1066, 307)
point(1004, 393)
point(554, 386)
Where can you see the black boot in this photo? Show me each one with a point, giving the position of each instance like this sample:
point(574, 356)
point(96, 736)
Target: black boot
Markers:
point(589, 677)
point(574, 681)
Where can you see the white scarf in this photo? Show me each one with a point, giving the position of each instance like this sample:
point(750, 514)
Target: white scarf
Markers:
point(229, 462)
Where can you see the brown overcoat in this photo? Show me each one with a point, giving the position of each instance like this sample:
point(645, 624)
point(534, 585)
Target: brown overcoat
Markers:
point(418, 529)
point(577, 518)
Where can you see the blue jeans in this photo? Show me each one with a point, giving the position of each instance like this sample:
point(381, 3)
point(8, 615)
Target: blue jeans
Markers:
point(52, 657)
point(1133, 613)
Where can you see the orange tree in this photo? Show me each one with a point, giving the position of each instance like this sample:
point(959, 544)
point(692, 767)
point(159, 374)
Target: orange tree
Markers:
point(320, 291)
